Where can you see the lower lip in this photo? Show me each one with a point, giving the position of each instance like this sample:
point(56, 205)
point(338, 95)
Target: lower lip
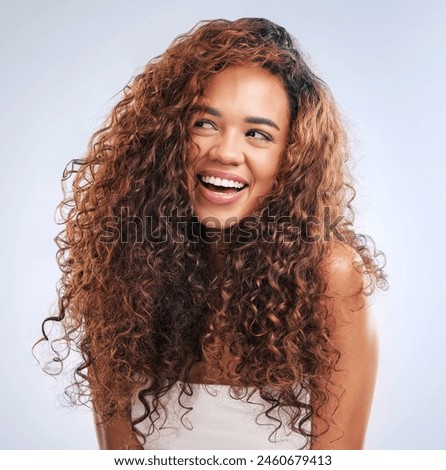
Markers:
point(221, 198)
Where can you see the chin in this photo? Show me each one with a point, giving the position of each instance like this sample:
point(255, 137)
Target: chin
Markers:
point(215, 223)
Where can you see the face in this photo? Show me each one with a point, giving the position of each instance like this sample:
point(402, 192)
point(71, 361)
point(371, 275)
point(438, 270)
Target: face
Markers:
point(241, 131)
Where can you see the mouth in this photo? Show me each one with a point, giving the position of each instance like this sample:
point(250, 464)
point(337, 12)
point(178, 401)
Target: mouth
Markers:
point(221, 186)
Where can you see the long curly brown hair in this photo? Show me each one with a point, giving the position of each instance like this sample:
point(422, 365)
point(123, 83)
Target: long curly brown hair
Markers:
point(138, 297)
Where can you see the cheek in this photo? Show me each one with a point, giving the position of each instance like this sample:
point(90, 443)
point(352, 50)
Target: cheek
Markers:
point(191, 155)
point(191, 159)
point(267, 172)
point(268, 183)
point(194, 149)
point(189, 163)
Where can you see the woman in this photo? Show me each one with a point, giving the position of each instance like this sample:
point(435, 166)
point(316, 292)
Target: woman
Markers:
point(210, 268)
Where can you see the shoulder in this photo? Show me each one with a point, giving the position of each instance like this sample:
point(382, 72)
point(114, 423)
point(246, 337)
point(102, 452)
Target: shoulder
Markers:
point(349, 312)
point(350, 316)
point(354, 335)
point(342, 270)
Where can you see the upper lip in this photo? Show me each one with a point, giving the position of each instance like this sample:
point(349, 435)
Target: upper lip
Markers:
point(223, 175)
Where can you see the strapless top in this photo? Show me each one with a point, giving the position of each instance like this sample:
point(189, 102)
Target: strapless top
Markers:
point(218, 421)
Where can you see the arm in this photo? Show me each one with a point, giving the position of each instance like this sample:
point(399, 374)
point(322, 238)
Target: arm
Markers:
point(117, 434)
point(354, 335)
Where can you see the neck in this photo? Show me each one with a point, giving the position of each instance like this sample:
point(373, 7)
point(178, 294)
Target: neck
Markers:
point(218, 240)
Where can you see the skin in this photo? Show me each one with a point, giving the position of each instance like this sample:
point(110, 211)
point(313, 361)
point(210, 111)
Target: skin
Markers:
point(355, 336)
point(227, 142)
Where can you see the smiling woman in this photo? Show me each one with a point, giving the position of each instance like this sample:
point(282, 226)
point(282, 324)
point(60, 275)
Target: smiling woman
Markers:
point(240, 320)
point(240, 135)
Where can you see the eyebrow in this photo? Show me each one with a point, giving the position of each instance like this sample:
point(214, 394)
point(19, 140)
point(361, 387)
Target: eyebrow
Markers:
point(262, 120)
point(250, 119)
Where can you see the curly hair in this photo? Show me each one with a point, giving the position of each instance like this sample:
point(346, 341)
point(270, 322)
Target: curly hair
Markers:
point(137, 296)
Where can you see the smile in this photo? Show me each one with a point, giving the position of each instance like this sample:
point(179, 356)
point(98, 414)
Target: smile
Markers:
point(220, 191)
point(220, 183)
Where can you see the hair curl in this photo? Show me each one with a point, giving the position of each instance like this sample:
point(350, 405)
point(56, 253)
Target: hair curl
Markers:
point(142, 310)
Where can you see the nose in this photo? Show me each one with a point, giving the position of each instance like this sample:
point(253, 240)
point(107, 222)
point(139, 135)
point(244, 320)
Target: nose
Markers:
point(227, 149)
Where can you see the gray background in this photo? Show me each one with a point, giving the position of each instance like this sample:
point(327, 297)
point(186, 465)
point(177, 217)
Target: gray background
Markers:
point(62, 63)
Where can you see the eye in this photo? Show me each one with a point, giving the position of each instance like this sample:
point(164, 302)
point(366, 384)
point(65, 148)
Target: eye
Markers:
point(261, 135)
point(203, 124)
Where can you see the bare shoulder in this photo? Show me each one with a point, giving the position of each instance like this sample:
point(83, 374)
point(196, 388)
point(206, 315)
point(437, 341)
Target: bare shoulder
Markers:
point(353, 334)
point(343, 271)
point(350, 314)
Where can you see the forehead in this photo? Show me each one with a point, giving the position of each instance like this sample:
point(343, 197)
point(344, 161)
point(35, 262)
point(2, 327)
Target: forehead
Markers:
point(247, 90)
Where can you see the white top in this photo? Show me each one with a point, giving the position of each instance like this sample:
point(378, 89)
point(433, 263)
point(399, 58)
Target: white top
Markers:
point(217, 421)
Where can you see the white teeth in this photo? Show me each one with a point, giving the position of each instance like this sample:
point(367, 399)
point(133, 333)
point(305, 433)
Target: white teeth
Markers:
point(222, 182)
